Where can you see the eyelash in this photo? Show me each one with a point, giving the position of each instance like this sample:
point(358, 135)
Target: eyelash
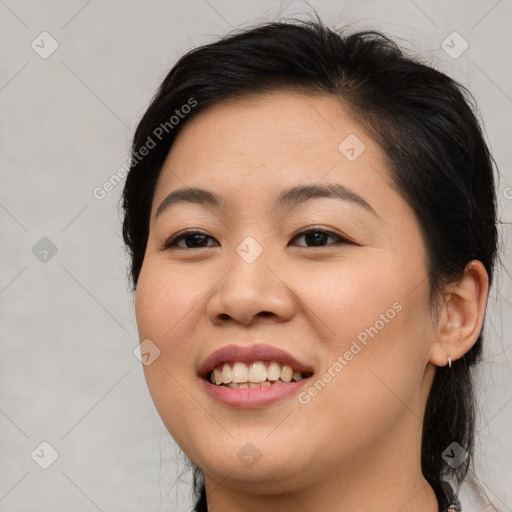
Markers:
point(172, 242)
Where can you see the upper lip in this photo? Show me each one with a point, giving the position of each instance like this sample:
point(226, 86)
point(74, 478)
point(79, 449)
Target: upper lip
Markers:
point(259, 352)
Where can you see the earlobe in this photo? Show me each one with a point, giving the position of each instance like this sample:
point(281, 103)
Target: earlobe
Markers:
point(461, 315)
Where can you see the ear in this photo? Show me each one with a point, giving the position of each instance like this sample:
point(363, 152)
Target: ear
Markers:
point(461, 315)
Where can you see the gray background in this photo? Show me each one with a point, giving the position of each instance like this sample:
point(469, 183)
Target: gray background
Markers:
point(68, 375)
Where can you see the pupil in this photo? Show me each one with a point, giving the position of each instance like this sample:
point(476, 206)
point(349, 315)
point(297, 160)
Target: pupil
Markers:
point(197, 239)
point(316, 238)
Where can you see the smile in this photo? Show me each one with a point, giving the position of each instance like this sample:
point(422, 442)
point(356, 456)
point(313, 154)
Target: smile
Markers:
point(242, 375)
point(252, 375)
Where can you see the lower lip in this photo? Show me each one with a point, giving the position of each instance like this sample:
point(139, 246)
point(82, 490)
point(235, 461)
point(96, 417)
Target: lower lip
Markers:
point(253, 397)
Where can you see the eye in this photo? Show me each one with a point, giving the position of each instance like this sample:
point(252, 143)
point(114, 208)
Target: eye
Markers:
point(192, 239)
point(197, 239)
point(319, 238)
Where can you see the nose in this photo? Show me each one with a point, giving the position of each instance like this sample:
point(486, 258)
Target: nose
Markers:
point(251, 291)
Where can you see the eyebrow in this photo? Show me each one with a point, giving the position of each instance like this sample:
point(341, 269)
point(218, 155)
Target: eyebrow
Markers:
point(301, 193)
point(289, 197)
point(189, 195)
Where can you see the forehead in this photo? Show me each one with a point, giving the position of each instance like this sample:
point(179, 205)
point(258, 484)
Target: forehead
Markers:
point(266, 141)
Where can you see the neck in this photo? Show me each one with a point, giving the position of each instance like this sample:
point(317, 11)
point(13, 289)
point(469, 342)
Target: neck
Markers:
point(385, 487)
point(418, 497)
point(385, 478)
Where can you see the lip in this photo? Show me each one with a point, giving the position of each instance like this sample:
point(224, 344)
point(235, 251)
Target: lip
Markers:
point(251, 397)
point(247, 354)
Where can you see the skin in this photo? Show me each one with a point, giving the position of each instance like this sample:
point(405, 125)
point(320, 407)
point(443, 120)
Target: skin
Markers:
point(356, 444)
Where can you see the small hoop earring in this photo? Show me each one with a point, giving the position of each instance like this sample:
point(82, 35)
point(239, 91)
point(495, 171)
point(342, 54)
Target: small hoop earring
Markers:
point(449, 362)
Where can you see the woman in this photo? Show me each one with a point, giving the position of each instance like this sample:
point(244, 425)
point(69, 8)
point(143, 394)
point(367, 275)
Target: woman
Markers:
point(311, 223)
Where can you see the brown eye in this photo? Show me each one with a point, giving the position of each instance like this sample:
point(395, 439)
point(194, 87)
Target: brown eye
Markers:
point(319, 238)
point(191, 240)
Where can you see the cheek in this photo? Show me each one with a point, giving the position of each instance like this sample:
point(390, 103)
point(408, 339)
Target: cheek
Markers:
point(163, 301)
point(349, 298)
point(378, 326)
point(164, 308)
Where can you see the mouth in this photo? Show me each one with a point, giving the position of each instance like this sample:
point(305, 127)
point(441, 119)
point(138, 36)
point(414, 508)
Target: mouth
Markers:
point(252, 376)
point(255, 374)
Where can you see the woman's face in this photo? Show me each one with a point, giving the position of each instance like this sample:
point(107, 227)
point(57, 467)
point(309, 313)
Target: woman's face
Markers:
point(347, 301)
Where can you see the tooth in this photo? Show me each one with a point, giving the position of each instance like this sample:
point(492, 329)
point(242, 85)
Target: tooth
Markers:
point(227, 373)
point(278, 383)
point(297, 376)
point(257, 372)
point(256, 375)
point(286, 373)
point(240, 372)
point(218, 376)
point(273, 371)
